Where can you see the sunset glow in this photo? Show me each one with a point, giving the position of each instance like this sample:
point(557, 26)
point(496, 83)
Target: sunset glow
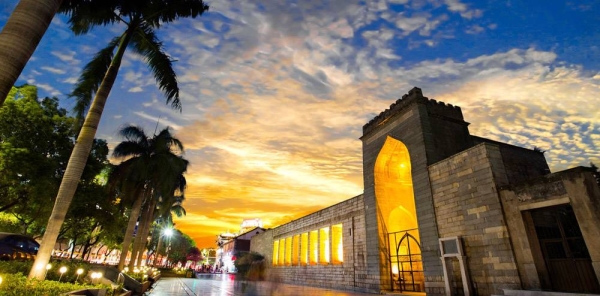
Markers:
point(275, 94)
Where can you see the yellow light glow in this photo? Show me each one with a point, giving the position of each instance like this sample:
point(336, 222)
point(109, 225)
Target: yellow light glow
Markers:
point(394, 188)
point(304, 248)
point(48, 266)
point(337, 243)
point(79, 271)
point(295, 249)
point(275, 252)
point(288, 251)
point(396, 203)
point(63, 269)
point(314, 247)
point(324, 245)
point(281, 258)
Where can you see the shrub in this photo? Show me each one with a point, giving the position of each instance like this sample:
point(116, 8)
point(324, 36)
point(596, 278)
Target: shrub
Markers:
point(16, 284)
point(15, 266)
point(250, 265)
point(71, 274)
point(53, 274)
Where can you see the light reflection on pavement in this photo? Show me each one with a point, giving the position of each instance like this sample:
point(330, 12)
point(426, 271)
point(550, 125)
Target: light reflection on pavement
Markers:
point(226, 285)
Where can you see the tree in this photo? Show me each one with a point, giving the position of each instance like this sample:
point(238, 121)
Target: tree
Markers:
point(165, 221)
point(20, 37)
point(35, 141)
point(167, 196)
point(181, 243)
point(153, 166)
point(141, 18)
point(36, 137)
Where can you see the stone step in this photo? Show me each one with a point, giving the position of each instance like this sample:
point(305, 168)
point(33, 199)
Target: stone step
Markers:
point(509, 292)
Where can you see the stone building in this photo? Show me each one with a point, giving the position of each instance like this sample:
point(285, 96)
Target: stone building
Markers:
point(446, 212)
point(231, 245)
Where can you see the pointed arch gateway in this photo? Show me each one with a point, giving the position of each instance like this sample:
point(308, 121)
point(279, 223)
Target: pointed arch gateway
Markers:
point(398, 217)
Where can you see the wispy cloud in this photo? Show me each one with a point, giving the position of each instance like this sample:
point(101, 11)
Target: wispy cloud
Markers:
point(275, 95)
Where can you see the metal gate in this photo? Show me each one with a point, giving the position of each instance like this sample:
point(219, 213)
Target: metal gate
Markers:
point(406, 261)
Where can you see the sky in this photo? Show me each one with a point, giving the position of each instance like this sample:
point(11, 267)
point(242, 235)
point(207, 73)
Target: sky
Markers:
point(275, 93)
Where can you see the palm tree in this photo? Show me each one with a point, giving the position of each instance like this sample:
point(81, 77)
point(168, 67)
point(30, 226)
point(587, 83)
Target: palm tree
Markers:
point(165, 219)
point(156, 163)
point(141, 18)
point(164, 194)
point(20, 36)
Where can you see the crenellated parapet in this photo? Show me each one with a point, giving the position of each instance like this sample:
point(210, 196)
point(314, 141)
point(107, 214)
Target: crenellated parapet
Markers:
point(415, 95)
point(439, 108)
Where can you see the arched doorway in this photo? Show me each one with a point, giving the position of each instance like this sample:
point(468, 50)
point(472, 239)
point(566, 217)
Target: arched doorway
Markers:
point(397, 216)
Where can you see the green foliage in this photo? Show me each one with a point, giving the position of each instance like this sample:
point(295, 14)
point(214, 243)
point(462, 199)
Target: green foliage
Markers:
point(54, 273)
point(71, 274)
point(15, 266)
point(16, 284)
point(143, 274)
point(250, 265)
point(36, 139)
point(35, 144)
point(9, 223)
point(181, 243)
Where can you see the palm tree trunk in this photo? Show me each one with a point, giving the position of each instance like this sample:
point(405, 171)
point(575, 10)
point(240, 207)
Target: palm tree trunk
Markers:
point(148, 222)
point(133, 216)
point(20, 36)
point(77, 162)
point(157, 252)
point(139, 236)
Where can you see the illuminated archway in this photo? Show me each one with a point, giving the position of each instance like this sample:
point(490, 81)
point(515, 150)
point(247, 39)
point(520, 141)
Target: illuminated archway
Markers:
point(394, 187)
point(397, 214)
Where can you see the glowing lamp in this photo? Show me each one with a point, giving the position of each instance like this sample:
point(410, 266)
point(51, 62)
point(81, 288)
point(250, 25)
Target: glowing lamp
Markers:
point(79, 272)
point(62, 271)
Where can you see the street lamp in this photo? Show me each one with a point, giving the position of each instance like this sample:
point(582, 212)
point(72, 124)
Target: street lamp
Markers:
point(48, 266)
point(79, 272)
point(168, 232)
point(95, 276)
point(62, 271)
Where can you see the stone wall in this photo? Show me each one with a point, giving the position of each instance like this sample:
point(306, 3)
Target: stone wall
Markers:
point(519, 163)
point(576, 187)
point(351, 274)
point(467, 205)
point(431, 131)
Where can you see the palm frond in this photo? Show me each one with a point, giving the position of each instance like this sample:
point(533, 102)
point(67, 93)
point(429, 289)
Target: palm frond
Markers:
point(86, 14)
point(165, 140)
point(158, 12)
point(128, 149)
point(91, 78)
point(145, 42)
point(134, 133)
point(178, 210)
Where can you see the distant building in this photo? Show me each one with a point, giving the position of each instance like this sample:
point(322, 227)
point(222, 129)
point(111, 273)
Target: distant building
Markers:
point(233, 247)
point(446, 213)
point(249, 224)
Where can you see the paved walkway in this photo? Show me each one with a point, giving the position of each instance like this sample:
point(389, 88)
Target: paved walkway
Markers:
point(226, 285)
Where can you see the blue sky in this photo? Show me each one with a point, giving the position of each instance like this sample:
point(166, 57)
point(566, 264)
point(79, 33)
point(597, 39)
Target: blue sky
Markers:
point(275, 93)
